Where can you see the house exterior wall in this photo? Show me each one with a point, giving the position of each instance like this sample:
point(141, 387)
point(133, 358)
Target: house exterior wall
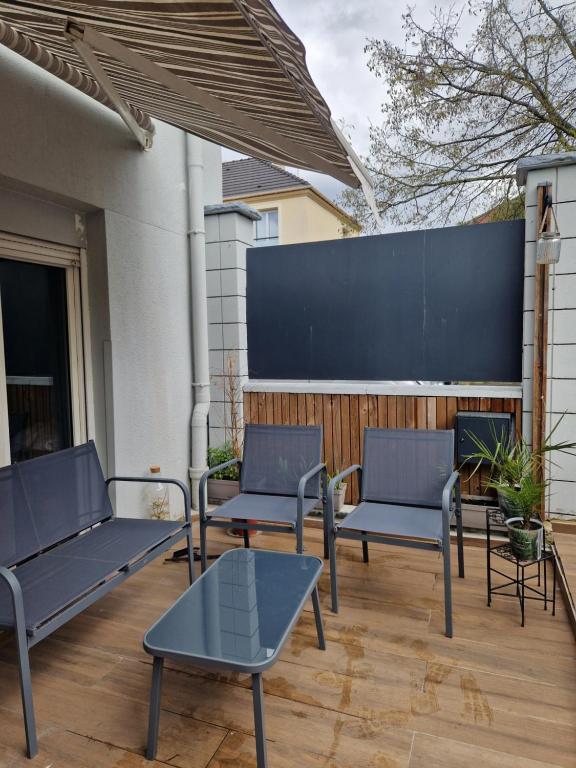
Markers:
point(561, 391)
point(303, 217)
point(73, 172)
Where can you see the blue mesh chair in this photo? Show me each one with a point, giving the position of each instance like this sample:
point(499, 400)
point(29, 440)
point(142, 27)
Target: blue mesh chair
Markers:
point(280, 474)
point(408, 494)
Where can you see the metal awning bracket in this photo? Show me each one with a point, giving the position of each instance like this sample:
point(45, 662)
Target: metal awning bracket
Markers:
point(75, 34)
point(363, 176)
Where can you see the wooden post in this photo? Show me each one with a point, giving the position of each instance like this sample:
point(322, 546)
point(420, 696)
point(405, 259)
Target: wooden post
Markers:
point(539, 372)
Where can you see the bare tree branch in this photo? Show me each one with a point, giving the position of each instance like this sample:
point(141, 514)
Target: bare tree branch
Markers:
point(458, 117)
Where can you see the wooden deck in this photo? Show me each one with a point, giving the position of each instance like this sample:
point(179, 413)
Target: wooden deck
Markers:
point(389, 692)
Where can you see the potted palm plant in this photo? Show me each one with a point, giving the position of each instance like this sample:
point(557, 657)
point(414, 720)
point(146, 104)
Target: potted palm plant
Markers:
point(514, 471)
point(339, 494)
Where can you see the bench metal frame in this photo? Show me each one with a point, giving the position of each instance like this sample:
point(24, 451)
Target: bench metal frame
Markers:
point(25, 640)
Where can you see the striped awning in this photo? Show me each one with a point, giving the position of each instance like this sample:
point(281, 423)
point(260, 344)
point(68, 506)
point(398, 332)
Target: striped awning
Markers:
point(229, 71)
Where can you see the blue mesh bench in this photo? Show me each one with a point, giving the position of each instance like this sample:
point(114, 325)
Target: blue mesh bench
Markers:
point(62, 548)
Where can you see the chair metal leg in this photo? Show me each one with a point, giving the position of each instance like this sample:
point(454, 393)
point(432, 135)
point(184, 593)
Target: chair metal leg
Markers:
point(460, 539)
point(203, 542)
point(154, 713)
point(318, 617)
point(299, 539)
point(365, 550)
point(258, 701)
point(190, 549)
point(26, 693)
point(447, 586)
point(326, 545)
point(333, 576)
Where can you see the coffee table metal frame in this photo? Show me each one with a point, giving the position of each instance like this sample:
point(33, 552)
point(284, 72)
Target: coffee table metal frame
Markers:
point(255, 670)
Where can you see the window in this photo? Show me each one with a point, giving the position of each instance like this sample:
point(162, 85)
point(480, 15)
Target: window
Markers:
point(42, 378)
point(267, 228)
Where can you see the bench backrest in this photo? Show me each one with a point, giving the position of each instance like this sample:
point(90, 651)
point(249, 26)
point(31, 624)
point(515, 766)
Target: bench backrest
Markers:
point(48, 499)
point(407, 466)
point(276, 457)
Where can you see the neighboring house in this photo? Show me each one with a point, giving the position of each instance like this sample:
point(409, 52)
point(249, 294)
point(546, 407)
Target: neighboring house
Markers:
point(292, 210)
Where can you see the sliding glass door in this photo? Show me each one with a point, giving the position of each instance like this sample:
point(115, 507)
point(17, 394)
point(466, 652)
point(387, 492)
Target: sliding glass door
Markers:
point(39, 408)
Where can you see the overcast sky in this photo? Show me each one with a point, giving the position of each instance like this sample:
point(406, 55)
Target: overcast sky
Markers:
point(334, 33)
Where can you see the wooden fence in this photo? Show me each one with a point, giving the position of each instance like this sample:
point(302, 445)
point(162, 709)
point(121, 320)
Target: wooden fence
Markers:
point(343, 418)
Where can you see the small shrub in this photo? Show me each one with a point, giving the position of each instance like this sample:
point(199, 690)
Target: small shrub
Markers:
point(220, 455)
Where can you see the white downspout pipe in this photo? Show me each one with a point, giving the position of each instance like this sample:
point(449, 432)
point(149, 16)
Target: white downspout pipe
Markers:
point(199, 312)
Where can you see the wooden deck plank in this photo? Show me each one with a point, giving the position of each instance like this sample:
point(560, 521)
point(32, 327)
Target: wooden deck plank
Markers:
point(390, 690)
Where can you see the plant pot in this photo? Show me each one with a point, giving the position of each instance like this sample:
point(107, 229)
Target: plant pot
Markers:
point(220, 491)
point(339, 496)
point(238, 533)
point(525, 543)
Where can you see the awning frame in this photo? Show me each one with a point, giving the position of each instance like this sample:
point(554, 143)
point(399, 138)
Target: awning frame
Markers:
point(96, 41)
point(145, 138)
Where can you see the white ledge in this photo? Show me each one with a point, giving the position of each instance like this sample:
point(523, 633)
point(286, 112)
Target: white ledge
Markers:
point(513, 391)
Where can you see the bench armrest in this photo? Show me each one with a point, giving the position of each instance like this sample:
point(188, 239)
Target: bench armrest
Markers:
point(204, 481)
point(166, 480)
point(332, 487)
point(13, 584)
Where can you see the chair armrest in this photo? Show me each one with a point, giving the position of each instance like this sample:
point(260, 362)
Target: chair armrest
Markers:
point(204, 481)
point(302, 489)
point(167, 480)
point(13, 584)
point(332, 487)
point(308, 476)
point(452, 483)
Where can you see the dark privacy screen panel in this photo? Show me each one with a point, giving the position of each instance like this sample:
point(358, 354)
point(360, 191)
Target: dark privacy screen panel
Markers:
point(435, 305)
point(276, 457)
point(407, 466)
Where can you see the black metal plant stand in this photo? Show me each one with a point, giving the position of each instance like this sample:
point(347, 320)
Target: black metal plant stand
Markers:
point(523, 583)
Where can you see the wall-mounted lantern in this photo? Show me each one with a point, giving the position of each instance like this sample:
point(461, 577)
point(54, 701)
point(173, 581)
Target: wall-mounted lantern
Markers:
point(549, 243)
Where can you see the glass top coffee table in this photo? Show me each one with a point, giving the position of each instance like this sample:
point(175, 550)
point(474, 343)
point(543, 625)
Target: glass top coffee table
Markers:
point(237, 616)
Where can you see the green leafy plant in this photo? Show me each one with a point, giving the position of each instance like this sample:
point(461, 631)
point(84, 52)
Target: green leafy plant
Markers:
point(514, 467)
point(220, 455)
point(340, 483)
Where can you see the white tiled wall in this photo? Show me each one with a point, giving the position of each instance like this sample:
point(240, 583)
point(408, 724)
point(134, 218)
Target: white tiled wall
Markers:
point(227, 237)
point(561, 328)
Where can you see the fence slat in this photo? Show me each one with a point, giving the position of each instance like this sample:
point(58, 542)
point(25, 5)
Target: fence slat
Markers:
point(285, 408)
point(372, 411)
point(391, 411)
point(343, 418)
point(382, 411)
point(421, 413)
point(336, 435)
point(354, 443)
point(411, 413)
point(269, 408)
point(345, 437)
point(400, 412)
point(301, 408)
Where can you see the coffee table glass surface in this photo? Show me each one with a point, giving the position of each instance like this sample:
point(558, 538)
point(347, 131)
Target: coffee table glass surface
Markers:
point(240, 611)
